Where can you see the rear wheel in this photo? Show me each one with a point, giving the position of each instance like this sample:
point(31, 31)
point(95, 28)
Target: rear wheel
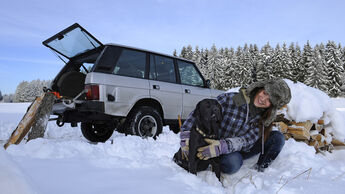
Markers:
point(97, 132)
point(145, 122)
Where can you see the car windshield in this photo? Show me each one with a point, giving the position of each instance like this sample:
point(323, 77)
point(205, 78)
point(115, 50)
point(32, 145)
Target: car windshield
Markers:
point(73, 43)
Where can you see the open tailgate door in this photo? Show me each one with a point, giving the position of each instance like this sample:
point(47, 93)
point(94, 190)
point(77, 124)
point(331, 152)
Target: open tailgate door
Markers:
point(72, 41)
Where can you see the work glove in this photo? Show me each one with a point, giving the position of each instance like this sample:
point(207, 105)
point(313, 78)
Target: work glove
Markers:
point(185, 144)
point(214, 149)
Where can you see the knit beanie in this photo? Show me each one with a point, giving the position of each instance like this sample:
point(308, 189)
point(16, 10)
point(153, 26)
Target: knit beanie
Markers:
point(279, 93)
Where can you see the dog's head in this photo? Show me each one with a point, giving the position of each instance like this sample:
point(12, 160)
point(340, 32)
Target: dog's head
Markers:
point(208, 114)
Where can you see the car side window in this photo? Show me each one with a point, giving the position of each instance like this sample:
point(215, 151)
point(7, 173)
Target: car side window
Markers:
point(189, 74)
point(162, 69)
point(131, 63)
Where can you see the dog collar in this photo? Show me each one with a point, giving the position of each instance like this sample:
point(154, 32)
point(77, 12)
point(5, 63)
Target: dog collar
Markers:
point(204, 135)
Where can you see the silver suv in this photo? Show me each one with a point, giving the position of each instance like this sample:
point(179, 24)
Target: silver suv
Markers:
point(132, 90)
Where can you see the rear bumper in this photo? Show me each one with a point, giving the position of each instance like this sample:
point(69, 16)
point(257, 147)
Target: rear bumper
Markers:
point(91, 106)
point(87, 111)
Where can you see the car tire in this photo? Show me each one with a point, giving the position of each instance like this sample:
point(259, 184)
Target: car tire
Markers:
point(146, 122)
point(96, 132)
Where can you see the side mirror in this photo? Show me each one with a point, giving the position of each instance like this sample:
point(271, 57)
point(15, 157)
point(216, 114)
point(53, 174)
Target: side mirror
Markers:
point(208, 83)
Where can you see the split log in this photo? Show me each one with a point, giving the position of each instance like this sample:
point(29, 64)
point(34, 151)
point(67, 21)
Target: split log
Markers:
point(41, 118)
point(321, 122)
point(337, 142)
point(281, 126)
point(25, 124)
point(314, 143)
point(299, 134)
point(302, 126)
point(318, 137)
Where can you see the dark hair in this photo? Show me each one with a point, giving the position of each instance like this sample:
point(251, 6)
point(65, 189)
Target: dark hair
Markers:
point(267, 129)
point(255, 91)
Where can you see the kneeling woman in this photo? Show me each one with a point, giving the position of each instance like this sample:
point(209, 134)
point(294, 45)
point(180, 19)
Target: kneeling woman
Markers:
point(246, 127)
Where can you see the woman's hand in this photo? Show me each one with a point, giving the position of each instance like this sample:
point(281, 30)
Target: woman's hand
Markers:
point(214, 149)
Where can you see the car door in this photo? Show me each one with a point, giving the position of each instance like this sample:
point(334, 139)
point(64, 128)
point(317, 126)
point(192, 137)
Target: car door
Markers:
point(193, 87)
point(164, 87)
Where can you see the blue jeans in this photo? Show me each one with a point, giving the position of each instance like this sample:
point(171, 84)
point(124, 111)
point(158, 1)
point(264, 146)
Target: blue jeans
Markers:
point(231, 163)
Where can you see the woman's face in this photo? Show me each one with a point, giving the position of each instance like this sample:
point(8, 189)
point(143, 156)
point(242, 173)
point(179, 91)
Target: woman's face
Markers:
point(262, 99)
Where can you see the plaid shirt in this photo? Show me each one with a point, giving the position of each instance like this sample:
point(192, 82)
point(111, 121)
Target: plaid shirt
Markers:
point(239, 134)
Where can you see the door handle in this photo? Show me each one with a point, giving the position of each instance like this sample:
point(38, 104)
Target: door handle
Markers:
point(156, 87)
point(187, 91)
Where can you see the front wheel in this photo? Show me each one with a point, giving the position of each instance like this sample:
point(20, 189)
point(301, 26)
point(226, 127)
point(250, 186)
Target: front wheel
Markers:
point(97, 132)
point(146, 122)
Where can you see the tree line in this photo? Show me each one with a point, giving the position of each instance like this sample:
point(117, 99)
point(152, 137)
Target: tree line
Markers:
point(321, 66)
point(27, 91)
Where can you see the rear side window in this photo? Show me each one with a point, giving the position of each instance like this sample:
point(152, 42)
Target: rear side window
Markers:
point(162, 69)
point(131, 63)
point(189, 74)
point(121, 61)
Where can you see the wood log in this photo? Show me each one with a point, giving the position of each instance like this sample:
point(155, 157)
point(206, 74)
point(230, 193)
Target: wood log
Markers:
point(318, 137)
point(25, 124)
point(41, 118)
point(281, 126)
point(314, 143)
point(301, 126)
point(337, 142)
point(321, 143)
point(321, 122)
point(299, 134)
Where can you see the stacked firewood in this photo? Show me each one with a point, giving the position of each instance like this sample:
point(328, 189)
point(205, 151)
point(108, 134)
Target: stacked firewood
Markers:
point(314, 134)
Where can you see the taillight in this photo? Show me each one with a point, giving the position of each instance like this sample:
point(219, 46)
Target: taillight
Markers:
point(92, 92)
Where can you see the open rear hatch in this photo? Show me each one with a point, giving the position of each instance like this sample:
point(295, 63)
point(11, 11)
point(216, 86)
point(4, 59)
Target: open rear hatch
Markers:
point(79, 47)
point(72, 41)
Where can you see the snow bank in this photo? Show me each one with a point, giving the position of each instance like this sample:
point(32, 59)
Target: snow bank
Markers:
point(308, 103)
point(12, 179)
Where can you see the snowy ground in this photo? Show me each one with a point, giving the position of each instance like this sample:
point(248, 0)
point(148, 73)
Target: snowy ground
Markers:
point(64, 162)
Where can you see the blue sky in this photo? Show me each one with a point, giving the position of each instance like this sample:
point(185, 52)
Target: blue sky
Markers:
point(158, 25)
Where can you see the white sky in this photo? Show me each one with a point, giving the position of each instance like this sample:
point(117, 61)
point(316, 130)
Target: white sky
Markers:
point(158, 25)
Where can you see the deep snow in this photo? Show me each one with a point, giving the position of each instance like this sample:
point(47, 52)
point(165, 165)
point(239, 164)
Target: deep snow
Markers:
point(64, 162)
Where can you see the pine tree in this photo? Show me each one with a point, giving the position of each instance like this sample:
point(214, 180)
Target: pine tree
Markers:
point(317, 76)
point(175, 53)
point(244, 67)
point(196, 56)
point(229, 73)
point(254, 52)
point(265, 66)
point(1, 96)
point(334, 69)
point(203, 63)
point(278, 62)
point(189, 53)
point(183, 53)
point(213, 70)
point(307, 66)
point(294, 57)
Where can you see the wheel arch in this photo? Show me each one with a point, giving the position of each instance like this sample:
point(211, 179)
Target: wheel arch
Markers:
point(149, 102)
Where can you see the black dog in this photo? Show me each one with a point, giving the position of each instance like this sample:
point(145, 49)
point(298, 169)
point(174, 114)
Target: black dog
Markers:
point(208, 114)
